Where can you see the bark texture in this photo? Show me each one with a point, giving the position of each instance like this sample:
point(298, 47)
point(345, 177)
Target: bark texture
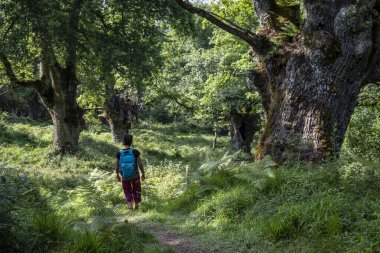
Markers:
point(59, 93)
point(34, 108)
point(57, 84)
point(243, 126)
point(315, 82)
point(268, 11)
point(310, 82)
point(119, 112)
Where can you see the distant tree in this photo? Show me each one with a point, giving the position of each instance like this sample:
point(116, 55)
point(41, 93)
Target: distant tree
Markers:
point(21, 102)
point(313, 57)
point(48, 31)
point(115, 74)
point(204, 77)
point(59, 35)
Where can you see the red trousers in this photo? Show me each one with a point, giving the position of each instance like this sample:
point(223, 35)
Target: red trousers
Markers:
point(132, 190)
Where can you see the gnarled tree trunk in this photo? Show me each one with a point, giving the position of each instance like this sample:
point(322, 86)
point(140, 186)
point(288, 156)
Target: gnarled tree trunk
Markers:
point(310, 82)
point(315, 82)
point(243, 126)
point(58, 92)
point(119, 115)
point(57, 85)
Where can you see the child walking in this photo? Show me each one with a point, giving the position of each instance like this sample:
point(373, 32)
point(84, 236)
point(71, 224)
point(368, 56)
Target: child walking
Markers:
point(126, 167)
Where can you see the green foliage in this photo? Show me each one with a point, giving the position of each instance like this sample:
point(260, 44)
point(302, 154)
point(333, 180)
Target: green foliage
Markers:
point(15, 191)
point(87, 242)
point(121, 237)
point(47, 231)
point(363, 137)
point(203, 78)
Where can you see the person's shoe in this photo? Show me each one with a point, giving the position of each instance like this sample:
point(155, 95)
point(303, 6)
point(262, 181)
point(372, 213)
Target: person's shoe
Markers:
point(130, 205)
point(136, 206)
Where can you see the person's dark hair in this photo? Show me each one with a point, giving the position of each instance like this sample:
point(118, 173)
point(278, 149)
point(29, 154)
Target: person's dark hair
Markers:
point(128, 139)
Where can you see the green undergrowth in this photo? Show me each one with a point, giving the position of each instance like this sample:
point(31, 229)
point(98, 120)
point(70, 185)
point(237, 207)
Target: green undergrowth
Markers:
point(226, 203)
point(292, 208)
point(73, 203)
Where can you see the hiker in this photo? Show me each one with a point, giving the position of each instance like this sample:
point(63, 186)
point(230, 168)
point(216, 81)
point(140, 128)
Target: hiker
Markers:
point(127, 172)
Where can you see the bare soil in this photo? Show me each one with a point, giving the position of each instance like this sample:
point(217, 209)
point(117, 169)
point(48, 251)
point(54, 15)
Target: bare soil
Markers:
point(179, 242)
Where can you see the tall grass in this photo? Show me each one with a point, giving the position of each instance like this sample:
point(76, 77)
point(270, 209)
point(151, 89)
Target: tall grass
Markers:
point(62, 203)
point(293, 208)
point(72, 203)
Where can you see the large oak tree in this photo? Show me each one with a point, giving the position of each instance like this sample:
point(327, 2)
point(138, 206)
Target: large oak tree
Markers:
point(58, 35)
point(309, 78)
point(47, 32)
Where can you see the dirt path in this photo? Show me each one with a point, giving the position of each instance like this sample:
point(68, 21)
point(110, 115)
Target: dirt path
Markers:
point(179, 242)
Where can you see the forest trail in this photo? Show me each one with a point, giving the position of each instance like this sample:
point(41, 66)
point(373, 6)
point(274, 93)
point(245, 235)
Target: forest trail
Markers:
point(177, 241)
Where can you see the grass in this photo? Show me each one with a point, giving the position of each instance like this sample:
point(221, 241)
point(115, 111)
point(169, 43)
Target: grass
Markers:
point(71, 203)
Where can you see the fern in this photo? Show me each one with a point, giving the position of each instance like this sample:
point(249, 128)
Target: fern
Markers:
point(210, 168)
point(259, 173)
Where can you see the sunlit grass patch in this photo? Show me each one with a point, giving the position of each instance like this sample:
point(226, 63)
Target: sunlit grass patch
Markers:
point(215, 196)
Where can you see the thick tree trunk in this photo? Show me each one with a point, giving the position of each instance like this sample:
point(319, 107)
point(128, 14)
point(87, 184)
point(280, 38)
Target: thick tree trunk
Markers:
point(119, 128)
point(268, 12)
point(67, 128)
point(34, 108)
point(119, 115)
point(314, 77)
point(242, 129)
point(315, 84)
point(57, 85)
point(58, 92)
point(136, 110)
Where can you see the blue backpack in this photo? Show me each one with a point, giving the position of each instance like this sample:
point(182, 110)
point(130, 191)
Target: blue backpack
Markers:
point(127, 164)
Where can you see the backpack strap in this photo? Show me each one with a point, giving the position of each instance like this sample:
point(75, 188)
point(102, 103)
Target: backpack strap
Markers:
point(128, 151)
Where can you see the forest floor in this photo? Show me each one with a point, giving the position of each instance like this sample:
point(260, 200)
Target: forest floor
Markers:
point(180, 242)
point(194, 199)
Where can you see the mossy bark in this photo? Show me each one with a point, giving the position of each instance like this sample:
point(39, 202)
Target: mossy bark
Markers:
point(243, 126)
point(315, 82)
point(58, 92)
point(313, 75)
point(119, 115)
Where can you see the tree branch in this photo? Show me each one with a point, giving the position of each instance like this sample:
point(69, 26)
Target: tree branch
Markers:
point(11, 75)
point(5, 92)
point(74, 28)
point(106, 27)
point(260, 44)
point(94, 108)
point(191, 109)
point(8, 30)
point(176, 100)
point(8, 68)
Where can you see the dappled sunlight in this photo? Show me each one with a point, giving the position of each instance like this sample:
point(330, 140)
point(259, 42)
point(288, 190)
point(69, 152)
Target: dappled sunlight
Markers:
point(189, 126)
point(209, 196)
